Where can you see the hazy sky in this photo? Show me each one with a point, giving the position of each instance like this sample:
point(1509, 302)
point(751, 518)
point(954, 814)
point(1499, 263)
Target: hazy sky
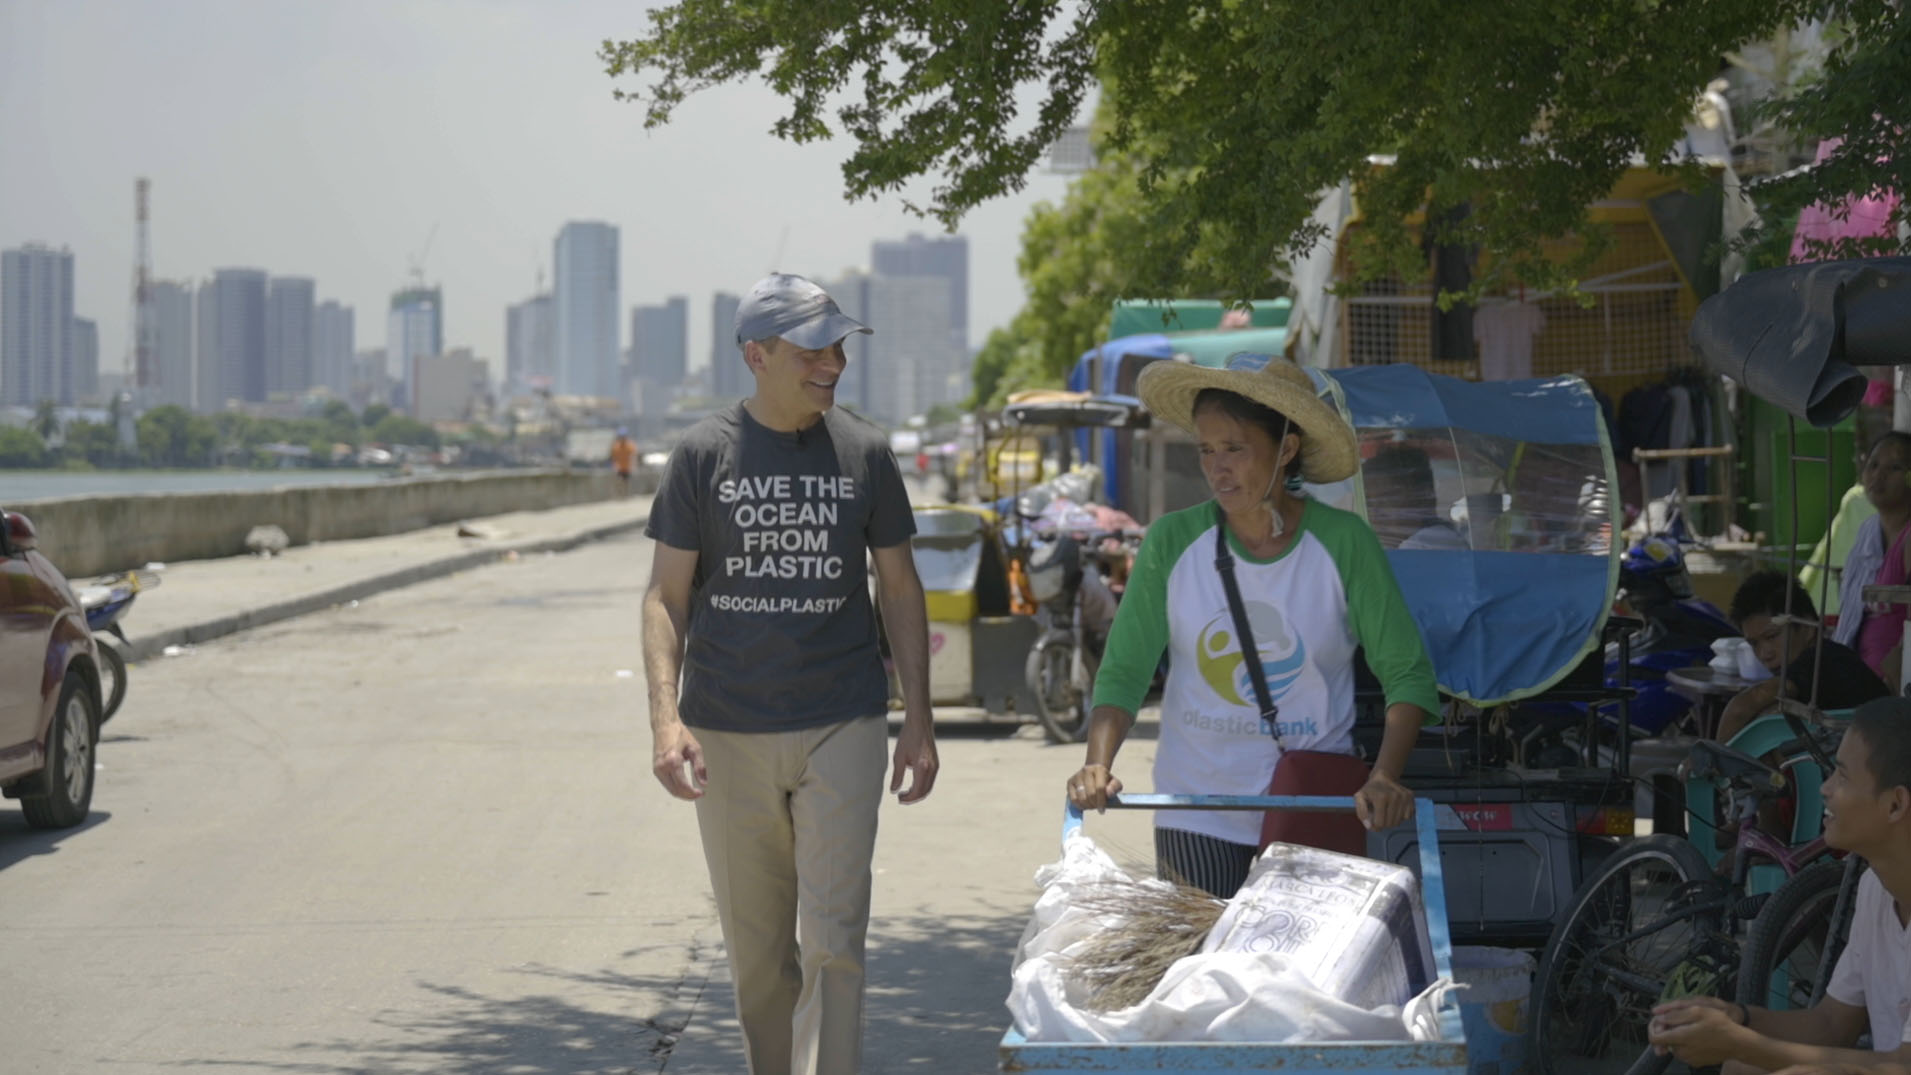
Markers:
point(326, 138)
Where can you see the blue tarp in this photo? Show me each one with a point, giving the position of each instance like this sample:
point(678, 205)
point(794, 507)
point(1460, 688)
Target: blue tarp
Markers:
point(1499, 625)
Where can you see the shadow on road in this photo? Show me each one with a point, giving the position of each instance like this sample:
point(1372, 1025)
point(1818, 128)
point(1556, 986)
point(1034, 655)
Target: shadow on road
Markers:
point(20, 841)
point(936, 995)
point(936, 992)
point(468, 1032)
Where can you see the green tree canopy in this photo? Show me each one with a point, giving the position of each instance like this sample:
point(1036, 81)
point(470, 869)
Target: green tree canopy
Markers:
point(401, 429)
point(93, 443)
point(1237, 115)
point(20, 447)
point(170, 436)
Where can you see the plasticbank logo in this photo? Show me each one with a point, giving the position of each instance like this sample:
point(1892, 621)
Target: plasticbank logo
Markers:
point(1225, 670)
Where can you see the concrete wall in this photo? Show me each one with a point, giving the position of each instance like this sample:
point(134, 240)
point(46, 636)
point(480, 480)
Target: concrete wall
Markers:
point(93, 535)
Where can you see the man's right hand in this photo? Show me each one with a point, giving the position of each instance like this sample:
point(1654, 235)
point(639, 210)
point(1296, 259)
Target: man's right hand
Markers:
point(677, 761)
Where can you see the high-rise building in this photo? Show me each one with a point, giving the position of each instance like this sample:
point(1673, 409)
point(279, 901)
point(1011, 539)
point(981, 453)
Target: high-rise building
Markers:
point(172, 343)
point(448, 387)
point(416, 327)
point(852, 297)
point(232, 340)
point(729, 377)
point(208, 388)
point(586, 304)
point(908, 370)
point(947, 258)
point(290, 303)
point(660, 342)
point(36, 326)
point(86, 360)
point(530, 345)
point(371, 379)
point(333, 343)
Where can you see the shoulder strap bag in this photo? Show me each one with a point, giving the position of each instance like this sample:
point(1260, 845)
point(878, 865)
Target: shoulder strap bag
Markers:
point(1298, 772)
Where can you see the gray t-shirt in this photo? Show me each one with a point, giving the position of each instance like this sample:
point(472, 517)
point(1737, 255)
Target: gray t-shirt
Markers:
point(782, 635)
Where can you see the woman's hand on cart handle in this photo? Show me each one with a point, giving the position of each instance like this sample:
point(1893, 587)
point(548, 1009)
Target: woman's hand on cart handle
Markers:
point(1091, 786)
point(1382, 802)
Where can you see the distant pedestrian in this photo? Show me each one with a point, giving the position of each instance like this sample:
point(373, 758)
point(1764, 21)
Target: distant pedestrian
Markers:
point(759, 603)
point(623, 459)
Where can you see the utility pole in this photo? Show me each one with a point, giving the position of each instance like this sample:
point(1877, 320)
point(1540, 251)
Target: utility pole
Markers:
point(145, 326)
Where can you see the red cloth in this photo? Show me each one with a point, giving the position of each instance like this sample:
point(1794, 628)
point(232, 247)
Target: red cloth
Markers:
point(1315, 772)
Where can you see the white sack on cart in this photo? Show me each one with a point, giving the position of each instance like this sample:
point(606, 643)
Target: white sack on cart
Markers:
point(1354, 926)
point(1218, 996)
point(1212, 996)
point(1058, 920)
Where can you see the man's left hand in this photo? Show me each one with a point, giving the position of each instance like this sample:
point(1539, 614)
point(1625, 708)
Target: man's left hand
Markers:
point(1699, 1031)
point(1382, 802)
point(915, 755)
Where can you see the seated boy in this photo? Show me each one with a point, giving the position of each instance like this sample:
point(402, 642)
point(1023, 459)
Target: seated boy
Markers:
point(1758, 608)
point(1868, 813)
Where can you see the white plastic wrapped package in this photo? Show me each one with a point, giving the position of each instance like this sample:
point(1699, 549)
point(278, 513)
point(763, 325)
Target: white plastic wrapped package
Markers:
point(1354, 926)
point(1221, 995)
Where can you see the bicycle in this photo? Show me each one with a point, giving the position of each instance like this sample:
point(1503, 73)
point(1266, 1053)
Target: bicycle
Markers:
point(1657, 921)
point(1794, 943)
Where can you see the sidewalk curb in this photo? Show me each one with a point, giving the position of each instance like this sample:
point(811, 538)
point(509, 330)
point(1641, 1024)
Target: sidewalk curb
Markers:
point(151, 645)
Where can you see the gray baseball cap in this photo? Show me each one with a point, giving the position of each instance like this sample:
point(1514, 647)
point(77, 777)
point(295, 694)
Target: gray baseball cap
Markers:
point(784, 304)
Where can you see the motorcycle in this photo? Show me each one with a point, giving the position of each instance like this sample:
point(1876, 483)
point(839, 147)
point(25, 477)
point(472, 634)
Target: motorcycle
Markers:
point(1678, 633)
point(104, 601)
point(1067, 577)
point(1664, 627)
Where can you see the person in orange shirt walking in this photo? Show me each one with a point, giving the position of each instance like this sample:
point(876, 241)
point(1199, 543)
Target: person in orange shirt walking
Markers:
point(623, 459)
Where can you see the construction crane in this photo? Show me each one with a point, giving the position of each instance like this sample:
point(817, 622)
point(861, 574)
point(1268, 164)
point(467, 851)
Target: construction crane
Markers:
point(145, 325)
point(418, 260)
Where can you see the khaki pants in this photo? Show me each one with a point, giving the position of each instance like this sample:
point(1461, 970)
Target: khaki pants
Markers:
point(789, 826)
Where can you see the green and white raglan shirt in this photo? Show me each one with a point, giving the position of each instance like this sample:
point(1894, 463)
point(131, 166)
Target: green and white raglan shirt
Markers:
point(1330, 592)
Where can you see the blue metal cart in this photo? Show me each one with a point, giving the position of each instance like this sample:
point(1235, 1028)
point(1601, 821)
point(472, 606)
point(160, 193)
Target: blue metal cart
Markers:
point(1444, 1057)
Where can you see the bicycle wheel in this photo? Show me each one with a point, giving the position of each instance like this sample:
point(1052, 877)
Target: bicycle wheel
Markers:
point(1786, 963)
point(1610, 957)
point(1060, 702)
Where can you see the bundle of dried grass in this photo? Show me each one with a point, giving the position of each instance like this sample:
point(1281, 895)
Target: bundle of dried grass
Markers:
point(1151, 925)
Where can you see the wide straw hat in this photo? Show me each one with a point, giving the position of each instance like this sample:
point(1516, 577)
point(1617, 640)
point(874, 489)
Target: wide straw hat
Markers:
point(1328, 450)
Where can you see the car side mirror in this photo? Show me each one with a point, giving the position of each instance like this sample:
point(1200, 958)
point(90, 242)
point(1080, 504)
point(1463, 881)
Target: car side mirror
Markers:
point(21, 537)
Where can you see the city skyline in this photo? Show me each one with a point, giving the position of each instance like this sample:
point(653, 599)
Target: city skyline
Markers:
point(274, 339)
point(309, 173)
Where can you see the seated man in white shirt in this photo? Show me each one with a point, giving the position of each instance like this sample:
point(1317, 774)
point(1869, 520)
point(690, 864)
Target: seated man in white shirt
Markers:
point(1867, 812)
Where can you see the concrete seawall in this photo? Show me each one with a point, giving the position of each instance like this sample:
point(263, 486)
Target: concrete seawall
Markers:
point(92, 535)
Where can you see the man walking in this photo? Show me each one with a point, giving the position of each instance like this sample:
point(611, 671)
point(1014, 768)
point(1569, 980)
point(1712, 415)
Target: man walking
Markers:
point(768, 697)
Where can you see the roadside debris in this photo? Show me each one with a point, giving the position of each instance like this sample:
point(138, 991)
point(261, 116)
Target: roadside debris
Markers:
point(267, 540)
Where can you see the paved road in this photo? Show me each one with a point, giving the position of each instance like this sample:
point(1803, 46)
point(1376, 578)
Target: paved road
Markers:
point(418, 834)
